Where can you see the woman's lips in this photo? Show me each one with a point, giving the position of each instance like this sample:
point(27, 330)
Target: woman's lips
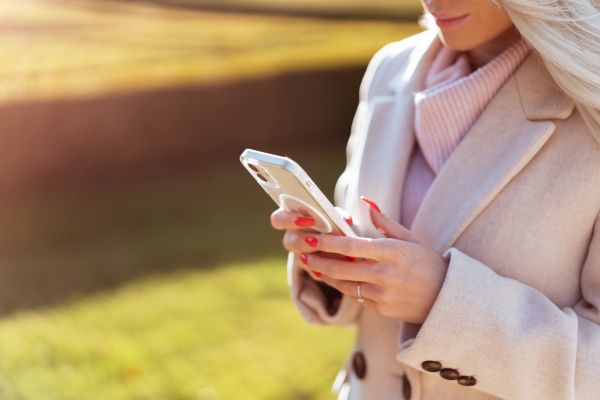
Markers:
point(446, 22)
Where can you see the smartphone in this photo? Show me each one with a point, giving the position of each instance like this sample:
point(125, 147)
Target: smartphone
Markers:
point(292, 189)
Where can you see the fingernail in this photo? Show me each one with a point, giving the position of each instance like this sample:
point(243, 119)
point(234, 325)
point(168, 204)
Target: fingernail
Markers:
point(348, 220)
point(317, 274)
point(371, 203)
point(304, 258)
point(304, 221)
point(350, 258)
point(312, 241)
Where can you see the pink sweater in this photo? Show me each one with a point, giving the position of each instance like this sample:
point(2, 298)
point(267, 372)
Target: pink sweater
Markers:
point(453, 98)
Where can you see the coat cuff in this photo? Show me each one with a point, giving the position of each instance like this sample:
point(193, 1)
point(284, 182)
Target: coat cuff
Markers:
point(430, 333)
point(458, 319)
point(312, 303)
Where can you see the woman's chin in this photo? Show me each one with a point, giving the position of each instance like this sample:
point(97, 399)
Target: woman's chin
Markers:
point(457, 42)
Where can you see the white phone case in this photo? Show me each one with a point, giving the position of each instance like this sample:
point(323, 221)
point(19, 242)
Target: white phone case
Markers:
point(292, 189)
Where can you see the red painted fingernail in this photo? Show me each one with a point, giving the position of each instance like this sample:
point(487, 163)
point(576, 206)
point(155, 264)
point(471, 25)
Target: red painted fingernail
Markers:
point(370, 203)
point(304, 221)
point(350, 258)
point(304, 258)
point(348, 220)
point(317, 274)
point(312, 241)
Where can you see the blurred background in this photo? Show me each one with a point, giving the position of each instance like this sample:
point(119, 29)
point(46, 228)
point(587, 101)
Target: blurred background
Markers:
point(136, 256)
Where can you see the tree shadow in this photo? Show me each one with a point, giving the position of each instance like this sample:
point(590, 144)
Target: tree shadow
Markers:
point(97, 192)
point(61, 247)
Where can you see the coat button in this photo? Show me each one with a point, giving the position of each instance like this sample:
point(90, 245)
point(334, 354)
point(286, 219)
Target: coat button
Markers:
point(359, 364)
point(449, 373)
point(406, 388)
point(467, 380)
point(431, 366)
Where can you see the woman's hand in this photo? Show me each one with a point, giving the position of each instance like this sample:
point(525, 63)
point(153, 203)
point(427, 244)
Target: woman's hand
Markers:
point(401, 276)
point(295, 222)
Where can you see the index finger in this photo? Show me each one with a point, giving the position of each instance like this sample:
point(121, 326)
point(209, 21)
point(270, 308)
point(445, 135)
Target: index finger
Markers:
point(359, 247)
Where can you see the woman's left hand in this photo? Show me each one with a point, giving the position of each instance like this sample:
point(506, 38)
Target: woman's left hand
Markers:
point(400, 275)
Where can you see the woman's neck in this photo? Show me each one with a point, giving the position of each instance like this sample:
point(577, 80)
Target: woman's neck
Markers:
point(486, 52)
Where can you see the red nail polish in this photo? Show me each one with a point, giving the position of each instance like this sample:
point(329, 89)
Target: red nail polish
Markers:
point(317, 274)
point(304, 221)
point(304, 258)
point(371, 203)
point(350, 258)
point(348, 220)
point(312, 241)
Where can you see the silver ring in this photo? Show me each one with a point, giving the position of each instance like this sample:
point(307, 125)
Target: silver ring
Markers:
point(360, 298)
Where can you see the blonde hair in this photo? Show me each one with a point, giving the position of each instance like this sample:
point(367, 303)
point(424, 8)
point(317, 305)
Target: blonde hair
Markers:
point(566, 34)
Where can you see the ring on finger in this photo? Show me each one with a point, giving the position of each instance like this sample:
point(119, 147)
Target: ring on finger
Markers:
point(360, 298)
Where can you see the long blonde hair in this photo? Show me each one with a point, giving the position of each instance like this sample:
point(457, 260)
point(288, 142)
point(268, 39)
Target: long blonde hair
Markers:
point(566, 34)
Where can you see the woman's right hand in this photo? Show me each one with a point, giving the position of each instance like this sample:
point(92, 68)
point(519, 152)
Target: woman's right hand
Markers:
point(292, 221)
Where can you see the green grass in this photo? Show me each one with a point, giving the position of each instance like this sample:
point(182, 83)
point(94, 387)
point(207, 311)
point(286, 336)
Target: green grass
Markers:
point(224, 334)
point(173, 288)
point(76, 48)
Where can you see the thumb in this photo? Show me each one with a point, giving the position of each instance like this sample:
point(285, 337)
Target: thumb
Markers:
point(386, 226)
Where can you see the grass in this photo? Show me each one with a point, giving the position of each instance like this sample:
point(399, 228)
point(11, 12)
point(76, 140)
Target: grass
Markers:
point(224, 334)
point(196, 307)
point(71, 48)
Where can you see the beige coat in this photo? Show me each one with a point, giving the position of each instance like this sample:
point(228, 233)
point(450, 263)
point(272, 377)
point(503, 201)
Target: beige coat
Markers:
point(515, 209)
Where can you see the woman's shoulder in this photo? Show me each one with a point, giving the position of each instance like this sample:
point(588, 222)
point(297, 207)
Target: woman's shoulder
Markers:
point(541, 98)
point(389, 60)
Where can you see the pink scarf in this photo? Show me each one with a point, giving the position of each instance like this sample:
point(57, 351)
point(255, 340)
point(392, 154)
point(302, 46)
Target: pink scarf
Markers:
point(453, 99)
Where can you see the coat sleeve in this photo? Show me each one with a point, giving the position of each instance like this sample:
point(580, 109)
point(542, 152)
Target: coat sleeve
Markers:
point(510, 337)
point(320, 304)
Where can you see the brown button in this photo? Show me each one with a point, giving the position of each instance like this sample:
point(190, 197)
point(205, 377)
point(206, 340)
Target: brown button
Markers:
point(359, 364)
point(449, 373)
point(431, 366)
point(406, 388)
point(467, 380)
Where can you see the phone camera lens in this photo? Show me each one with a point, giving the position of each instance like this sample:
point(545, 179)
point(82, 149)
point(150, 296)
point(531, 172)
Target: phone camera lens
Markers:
point(262, 178)
point(253, 168)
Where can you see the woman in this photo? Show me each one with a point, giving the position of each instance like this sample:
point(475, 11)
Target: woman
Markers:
point(477, 272)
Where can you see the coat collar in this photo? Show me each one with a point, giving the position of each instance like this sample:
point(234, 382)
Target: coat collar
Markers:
point(540, 98)
point(510, 131)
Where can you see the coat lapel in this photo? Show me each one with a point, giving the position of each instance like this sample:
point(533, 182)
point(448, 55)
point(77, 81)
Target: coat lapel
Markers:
point(387, 146)
point(511, 130)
